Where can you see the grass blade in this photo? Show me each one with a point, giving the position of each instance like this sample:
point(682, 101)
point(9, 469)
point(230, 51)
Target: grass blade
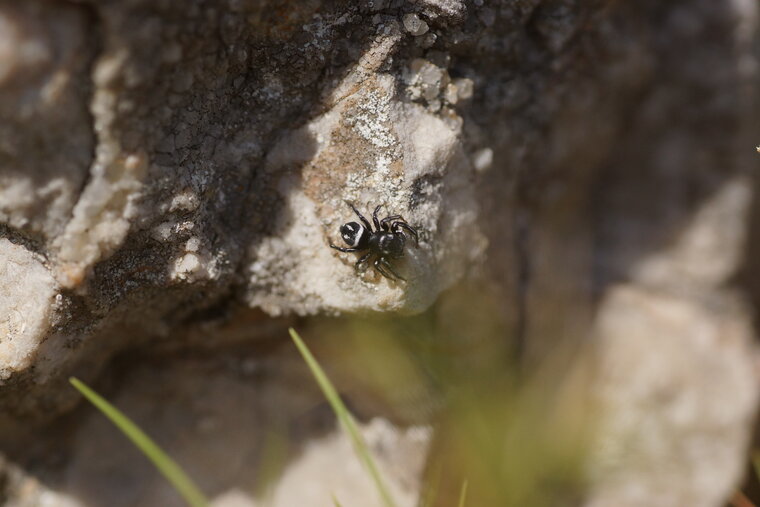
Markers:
point(168, 467)
point(463, 494)
point(345, 418)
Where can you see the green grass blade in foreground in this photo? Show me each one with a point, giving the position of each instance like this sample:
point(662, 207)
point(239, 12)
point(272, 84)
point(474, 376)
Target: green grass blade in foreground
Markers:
point(463, 494)
point(344, 416)
point(171, 470)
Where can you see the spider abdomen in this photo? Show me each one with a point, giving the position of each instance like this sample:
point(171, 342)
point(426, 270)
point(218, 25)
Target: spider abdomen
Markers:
point(355, 235)
point(386, 244)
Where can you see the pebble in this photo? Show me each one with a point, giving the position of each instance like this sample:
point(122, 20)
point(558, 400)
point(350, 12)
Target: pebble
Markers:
point(414, 25)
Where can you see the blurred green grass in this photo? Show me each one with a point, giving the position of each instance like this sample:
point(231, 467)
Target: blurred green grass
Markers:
point(167, 466)
point(502, 437)
point(345, 418)
point(517, 435)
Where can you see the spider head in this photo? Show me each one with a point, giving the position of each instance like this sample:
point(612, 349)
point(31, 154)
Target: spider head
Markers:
point(354, 234)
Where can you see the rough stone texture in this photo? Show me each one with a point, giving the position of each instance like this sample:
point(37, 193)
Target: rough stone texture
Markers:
point(374, 146)
point(46, 135)
point(274, 430)
point(27, 306)
point(220, 168)
point(281, 423)
point(171, 175)
point(667, 416)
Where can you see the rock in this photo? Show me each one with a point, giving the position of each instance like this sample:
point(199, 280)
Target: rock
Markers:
point(47, 139)
point(314, 480)
point(172, 175)
point(443, 8)
point(28, 307)
point(369, 150)
point(414, 25)
point(667, 366)
point(251, 432)
point(179, 141)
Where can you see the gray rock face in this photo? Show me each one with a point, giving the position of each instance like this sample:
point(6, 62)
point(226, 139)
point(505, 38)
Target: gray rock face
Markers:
point(214, 173)
point(174, 172)
point(379, 150)
point(28, 306)
point(46, 133)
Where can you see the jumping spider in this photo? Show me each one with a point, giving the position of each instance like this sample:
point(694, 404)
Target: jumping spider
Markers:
point(386, 242)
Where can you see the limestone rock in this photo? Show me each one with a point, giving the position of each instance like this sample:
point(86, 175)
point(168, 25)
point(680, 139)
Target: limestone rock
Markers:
point(369, 150)
point(27, 306)
point(677, 389)
point(172, 174)
point(46, 139)
point(200, 179)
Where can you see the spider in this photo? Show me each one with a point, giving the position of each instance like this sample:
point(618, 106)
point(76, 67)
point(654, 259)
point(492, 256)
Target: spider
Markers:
point(386, 242)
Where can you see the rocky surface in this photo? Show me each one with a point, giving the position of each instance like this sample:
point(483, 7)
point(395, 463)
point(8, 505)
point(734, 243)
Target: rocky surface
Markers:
point(171, 176)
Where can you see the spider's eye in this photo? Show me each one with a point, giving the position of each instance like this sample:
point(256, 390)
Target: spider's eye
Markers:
point(352, 233)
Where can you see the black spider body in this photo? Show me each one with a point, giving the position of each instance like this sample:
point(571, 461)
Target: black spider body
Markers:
point(355, 235)
point(386, 242)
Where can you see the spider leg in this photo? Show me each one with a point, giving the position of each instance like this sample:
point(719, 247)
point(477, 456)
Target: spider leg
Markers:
point(384, 221)
point(387, 265)
point(341, 249)
point(365, 222)
point(381, 270)
point(398, 225)
point(362, 260)
point(374, 217)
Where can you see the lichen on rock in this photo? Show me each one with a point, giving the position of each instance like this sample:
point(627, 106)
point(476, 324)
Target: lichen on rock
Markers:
point(370, 150)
